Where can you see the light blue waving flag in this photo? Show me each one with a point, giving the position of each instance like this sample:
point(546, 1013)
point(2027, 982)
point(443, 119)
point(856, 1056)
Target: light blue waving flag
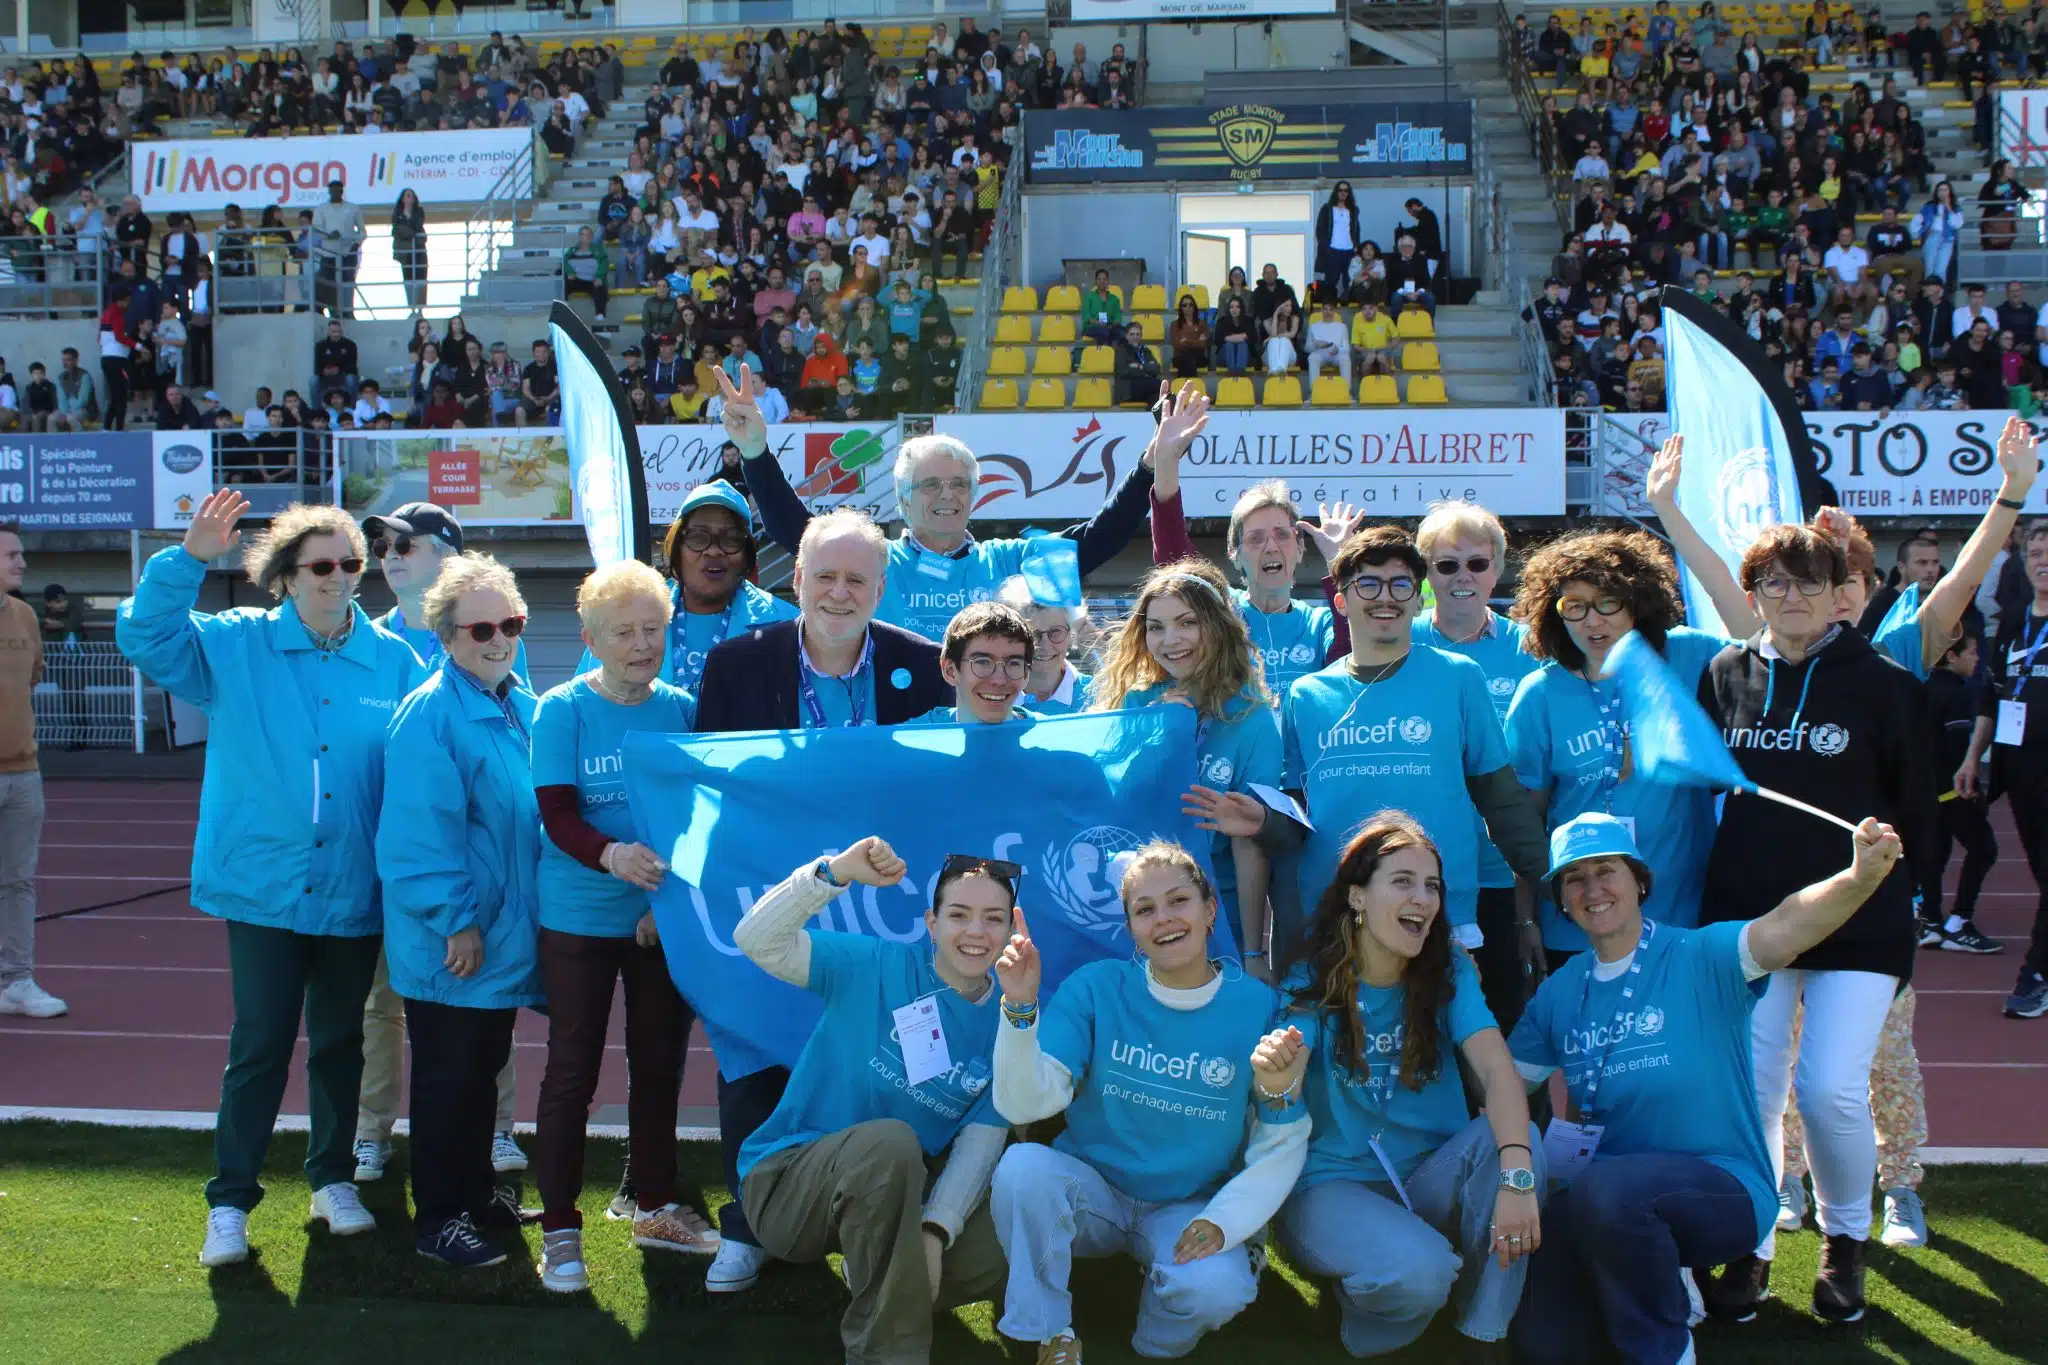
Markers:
point(1899, 633)
point(1671, 738)
point(1065, 797)
point(1052, 570)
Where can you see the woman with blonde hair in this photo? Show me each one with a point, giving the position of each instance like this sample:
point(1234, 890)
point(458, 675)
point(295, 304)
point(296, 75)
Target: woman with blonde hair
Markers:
point(297, 698)
point(1184, 642)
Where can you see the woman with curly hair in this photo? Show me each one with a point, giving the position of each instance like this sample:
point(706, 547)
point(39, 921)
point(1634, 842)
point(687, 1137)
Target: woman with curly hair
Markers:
point(1184, 642)
point(1404, 1198)
point(1566, 731)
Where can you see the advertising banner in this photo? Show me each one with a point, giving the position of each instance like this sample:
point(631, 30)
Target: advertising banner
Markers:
point(1911, 464)
point(102, 480)
point(1393, 462)
point(1133, 11)
point(1248, 142)
point(208, 174)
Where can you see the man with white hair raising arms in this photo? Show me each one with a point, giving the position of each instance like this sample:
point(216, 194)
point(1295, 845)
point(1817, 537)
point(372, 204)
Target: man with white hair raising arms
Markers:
point(936, 566)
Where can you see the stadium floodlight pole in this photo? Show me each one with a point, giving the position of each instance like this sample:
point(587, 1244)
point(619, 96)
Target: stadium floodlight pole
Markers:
point(605, 469)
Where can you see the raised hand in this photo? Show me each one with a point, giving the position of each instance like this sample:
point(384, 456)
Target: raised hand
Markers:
point(1336, 525)
point(1660, 489)
point(1834, 523)
point(1232, 813)
point(2017, 460)
point(870, 863)
point(1877, 847)
point(212, 532)
point(1278, 1060)
point(743, 424)
point(1018, 970)
point(1183, 417)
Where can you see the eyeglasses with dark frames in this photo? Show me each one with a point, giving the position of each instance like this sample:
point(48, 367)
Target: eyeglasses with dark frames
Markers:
point(483, 631)
point(321, 568)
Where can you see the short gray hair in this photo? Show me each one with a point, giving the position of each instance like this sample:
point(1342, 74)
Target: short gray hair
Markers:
point(844, 521)
point(467, 572)
point(1257, 498)
point(1016, 592)
point(920, 448)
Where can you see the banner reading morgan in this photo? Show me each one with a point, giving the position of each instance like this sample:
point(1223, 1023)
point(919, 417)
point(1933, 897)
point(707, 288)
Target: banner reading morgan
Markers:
point(208, 174)
point(1248, 142)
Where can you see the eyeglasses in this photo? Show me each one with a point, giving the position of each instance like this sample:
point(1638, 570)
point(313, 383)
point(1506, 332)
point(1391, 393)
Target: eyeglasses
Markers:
point(1778, 585)
point(1016, 668)
point(321, 568)
point(1476, 564)
point(698, 540)
point(931, 488)
point(384, 546)
point(966, 864)
point(1575, 608)
point(1259, 540)
point(1057, 635)
point(1399, 589)
point(483, 631)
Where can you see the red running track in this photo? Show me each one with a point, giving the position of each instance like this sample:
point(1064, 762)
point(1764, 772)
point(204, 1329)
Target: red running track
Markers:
point(147, 985)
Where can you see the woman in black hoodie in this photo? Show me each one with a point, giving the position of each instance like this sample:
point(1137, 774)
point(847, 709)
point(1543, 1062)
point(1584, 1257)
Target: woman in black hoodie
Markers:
point(1809, 708)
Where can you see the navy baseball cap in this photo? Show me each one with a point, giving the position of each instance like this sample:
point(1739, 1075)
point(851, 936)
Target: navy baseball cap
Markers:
point(422, 519)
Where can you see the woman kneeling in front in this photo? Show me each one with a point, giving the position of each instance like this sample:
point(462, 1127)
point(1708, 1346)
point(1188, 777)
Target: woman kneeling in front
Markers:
point(1652, 1029)
point(896, 1073)
point(1404, 1198)
point(1149, 1062)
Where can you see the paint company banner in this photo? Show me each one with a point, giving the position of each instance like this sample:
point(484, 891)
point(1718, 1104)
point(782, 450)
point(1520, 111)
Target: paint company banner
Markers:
point(1135, 11)
point(208, 174)
point(1915, 464)
point(1396, 462)
point(506, 477)
point(1248, 142)
point(103, 480)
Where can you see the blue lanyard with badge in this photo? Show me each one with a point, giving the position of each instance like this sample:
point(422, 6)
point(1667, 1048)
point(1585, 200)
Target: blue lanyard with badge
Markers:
point(1568, 1146)
point(2012, 712)
point(921, 1036)
point(856, 701)
point(1379, 1152)
point(934, 564)
point(1614, 744)
point(688, 671)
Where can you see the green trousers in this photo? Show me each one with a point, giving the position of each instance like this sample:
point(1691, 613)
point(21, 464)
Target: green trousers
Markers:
point(278, 976)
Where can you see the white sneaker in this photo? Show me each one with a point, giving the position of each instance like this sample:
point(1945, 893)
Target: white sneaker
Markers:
point(371, 1158)
point(1791, 1203)
point(505, 1155)
point(1905, 1219)
point(341, 1208)
point(227, 1237)
point(26, 997)
point(735, 1268)
point(561, 1262)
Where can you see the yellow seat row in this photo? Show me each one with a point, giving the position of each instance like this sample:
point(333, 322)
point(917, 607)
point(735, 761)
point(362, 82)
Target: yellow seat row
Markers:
point(1015, 329)
point(1234, 391)
point(1416, 357)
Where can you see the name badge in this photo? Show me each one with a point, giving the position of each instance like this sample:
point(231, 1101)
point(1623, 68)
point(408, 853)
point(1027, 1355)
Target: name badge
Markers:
point(935, 566)
point(1568, 1148)
point(923, 1040)
point(2012, 723)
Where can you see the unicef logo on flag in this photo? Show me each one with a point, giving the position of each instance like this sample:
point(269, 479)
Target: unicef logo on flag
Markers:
point(1217, 770)
point(1083, 876)
point(1218, 1072)
point(1829, 740)
point(1650, 1022)
point(1416, 730)
point(1301, 654)
point(1744, 505)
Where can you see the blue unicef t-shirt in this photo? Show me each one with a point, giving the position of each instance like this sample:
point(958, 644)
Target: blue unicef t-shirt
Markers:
point(924, 591)
point(840, 701)
point(578, 735)
point(1290, 644)
point(1160, 1095)
point(1232, 751)
point(427, 645)
point(851, 1070)
point(1672, 1047)
point(1499, 654)
point(1568, 739)
point(1349, 1110)
point(953, 715)
point(1407, 742)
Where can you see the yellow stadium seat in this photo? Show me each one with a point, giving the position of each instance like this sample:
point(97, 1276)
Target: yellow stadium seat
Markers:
point(1281, 391)
point(1013, 329)
point(1377, 390)
point(1063, 298)
point(1427, 388)
point(1415, 325)
point(1421, 356)
point(1098, 360)
point(1200, 291)
point(1148, 298)
point(1046, 393)
point(1152, 327)
point(1093, 393)
point(1006, 360)
point(998, 393)
point(1234, 391)
point(1020, 298)
point(1057, 327)
point(1330, 391)
point(414, 9)
point(1052, 360)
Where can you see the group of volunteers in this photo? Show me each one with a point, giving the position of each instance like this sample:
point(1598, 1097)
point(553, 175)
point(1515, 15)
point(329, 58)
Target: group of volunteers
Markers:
point(1447, 879)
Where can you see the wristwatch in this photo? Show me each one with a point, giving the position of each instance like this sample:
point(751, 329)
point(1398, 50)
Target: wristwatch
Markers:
point(823, 872)
point(1520, 1179)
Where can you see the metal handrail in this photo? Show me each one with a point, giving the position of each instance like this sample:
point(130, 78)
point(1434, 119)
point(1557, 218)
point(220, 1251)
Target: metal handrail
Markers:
point(496, 217)
point(995, 272)
point(52, 277)
point(1530, 106)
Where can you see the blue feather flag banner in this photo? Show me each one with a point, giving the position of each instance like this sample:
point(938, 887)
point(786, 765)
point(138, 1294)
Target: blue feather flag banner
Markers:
point(1672, 740)
point(1068, 798)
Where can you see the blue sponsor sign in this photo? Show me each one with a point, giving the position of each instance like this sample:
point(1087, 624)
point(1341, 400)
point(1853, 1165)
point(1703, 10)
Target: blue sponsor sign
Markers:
point(87, 481)
point(1248, 142)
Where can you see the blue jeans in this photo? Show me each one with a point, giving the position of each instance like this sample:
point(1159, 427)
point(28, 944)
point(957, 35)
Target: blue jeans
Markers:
point(1613, 1243)
point(1713, 250)
point(1236, 355)
point(1395, 1268)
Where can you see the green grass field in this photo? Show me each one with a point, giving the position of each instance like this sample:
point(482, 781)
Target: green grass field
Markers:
point(100, 1232)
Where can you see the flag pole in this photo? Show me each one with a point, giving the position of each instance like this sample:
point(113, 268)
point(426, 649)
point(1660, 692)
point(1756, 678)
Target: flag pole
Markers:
point(1767, 794)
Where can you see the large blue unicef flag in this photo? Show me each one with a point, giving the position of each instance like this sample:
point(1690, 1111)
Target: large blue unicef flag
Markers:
point(1745, 445)
point(1065, 797)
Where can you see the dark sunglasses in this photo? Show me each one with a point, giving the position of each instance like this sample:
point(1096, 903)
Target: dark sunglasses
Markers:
point(968, 864)
point(320, 568)
point(1476, 564)
point(384, 546)
point(482, 631)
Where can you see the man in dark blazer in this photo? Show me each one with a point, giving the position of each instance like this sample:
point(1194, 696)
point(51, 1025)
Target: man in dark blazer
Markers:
point(835, 665)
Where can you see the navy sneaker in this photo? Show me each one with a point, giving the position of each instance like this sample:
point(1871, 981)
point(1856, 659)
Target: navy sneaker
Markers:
point(457, 1244)
point(1968, 940)
point(2029, 998)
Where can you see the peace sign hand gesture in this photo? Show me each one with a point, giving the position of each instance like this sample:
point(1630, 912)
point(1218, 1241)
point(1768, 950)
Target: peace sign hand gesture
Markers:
point(212, 532)
point(743, 424)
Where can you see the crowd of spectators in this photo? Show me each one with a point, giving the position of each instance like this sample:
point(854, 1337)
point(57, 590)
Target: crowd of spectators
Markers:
point(1695, 155)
